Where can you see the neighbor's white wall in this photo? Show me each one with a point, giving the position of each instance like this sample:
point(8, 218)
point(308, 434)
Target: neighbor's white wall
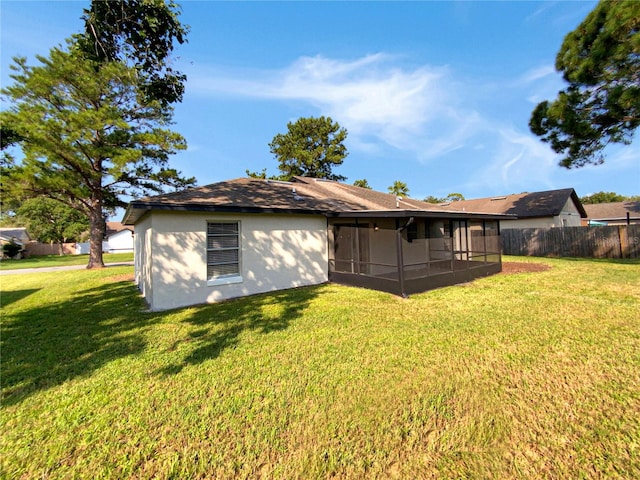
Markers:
point(121, 241)
point(277, 252)
point(117, 243)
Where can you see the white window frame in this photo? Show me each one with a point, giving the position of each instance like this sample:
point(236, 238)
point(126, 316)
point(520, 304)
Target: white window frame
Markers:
point(228, 278)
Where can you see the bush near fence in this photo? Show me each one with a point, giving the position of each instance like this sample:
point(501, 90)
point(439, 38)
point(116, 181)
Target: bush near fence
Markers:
point(619, 241)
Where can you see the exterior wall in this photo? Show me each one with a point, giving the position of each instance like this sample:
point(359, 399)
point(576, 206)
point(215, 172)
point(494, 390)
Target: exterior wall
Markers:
point(143, 261)
point(569, 217)
point(542, 222)
point(119, 242)
point(277, 252)
point(382, 247)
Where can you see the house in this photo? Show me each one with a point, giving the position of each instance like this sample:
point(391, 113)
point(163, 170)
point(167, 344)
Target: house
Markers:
point(118, 238)
point(615, 213)
point(13, 235)
point(19, 235)
point(248, 236)
point(16, 235)
point(551, 208)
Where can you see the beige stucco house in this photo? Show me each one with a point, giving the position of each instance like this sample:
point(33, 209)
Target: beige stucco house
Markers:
point(248, 236)
point(548, 209)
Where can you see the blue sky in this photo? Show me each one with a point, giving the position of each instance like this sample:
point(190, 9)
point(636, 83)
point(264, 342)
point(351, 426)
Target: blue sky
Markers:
point(435, 94)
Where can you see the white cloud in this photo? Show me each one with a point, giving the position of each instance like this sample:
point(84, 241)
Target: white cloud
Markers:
point(424, 112)
point(537, 74)
point(541, 83)
point(518, 160)
point(411, 109)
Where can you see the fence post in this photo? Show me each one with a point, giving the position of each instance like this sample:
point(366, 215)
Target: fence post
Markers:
point(623, 233)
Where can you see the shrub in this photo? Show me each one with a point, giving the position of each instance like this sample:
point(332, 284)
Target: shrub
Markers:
point(11, 249)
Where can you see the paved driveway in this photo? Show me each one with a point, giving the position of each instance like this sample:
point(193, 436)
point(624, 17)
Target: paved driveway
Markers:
point(57, 269)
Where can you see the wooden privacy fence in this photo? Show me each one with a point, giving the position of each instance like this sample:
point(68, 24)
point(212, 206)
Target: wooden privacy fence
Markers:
point(619, 241)
point(37, 248)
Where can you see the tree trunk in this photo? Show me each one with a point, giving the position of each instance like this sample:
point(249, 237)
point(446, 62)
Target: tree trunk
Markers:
point(96, 234)
point(61, 249)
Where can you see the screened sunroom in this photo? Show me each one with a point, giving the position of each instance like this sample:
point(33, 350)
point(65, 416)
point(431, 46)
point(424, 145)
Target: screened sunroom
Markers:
point(407, 252)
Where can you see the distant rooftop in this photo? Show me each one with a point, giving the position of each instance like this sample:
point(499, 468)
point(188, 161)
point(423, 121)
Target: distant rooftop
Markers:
point(523, 205)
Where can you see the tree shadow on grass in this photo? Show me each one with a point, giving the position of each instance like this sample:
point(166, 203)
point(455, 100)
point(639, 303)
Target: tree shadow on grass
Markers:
point(7, 298)
point(618, 261)
point(44, 346)
point(218, 327)
point(49, 344)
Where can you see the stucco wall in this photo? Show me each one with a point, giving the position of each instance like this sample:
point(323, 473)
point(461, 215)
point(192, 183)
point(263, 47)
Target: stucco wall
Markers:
point(277, 252)
point(143, 262)
point(571, 214)
point(121, 241)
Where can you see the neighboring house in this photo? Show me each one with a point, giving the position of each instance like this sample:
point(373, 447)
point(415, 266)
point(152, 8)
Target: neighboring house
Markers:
point(118, 238)
point(18, 234)
point(615, 213)
point(552, 208)
point(6, 239)
point(248, 236)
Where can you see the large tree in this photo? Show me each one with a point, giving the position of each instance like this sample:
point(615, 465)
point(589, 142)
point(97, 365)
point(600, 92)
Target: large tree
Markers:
point(52, 221)
point(605, 197)
point(312, 147)
point(452, 197)
point(600, 60)
point(90, 137)
point(140, 33)
point(8, 204)
point(362, 183)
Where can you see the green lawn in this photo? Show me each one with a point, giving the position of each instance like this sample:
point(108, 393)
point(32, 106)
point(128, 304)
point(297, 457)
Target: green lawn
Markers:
point(61, 261)
point(531, 375)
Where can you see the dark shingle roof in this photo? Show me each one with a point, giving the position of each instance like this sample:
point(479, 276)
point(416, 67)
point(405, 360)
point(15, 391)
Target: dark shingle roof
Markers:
point(19, 233)
point(523, 205)
point(613, 211)
point(301, 195)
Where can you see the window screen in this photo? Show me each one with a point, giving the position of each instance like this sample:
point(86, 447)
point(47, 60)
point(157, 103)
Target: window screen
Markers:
point(223, 250)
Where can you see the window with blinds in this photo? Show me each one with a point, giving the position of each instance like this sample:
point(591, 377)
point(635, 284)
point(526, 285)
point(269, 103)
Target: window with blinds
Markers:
point(223, 250)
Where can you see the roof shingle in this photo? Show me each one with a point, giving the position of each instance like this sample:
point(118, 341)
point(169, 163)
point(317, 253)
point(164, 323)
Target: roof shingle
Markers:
point(301, 195)
point(523, 205)
point(613, 211)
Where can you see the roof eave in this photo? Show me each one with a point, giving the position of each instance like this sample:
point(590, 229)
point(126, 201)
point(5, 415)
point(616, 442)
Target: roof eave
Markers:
point(136, 210)
point(578, 204)
point(421, 214)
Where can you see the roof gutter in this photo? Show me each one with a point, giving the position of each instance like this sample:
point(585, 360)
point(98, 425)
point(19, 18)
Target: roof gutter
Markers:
point(135, 210)
point(400, 256)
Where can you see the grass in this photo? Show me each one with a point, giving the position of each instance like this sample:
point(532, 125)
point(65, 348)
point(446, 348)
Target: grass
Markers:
point(533, 375)
point(61, 261)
